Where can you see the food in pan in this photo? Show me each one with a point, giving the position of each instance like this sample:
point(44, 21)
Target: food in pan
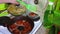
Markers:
point(34, 16)
point(16, 10)
point(22, 25)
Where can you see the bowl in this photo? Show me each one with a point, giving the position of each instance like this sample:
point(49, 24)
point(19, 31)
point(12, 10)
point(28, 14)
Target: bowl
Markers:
point(33, 16)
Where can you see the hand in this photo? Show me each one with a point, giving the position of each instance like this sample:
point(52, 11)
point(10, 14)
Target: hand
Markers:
point(12, 1)
point(9, 1)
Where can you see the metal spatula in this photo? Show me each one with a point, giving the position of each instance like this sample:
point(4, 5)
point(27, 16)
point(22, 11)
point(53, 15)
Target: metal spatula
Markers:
point(31, 8)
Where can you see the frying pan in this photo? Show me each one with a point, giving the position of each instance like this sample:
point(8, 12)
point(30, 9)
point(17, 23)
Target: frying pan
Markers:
point(4, 21)
point(21, 27)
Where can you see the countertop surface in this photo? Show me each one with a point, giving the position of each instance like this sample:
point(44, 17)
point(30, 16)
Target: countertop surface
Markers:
point(41, 30)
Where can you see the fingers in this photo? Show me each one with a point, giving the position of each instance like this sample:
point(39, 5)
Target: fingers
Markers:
point(12, 1)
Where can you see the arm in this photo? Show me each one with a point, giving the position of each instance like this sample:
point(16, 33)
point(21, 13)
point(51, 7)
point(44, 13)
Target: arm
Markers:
point(4, 1)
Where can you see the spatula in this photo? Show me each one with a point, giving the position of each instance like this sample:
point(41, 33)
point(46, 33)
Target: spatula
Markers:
point(31, 8)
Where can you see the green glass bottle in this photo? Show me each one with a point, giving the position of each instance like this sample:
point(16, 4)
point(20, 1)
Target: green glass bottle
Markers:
point(57, 13)
point(48, 16)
